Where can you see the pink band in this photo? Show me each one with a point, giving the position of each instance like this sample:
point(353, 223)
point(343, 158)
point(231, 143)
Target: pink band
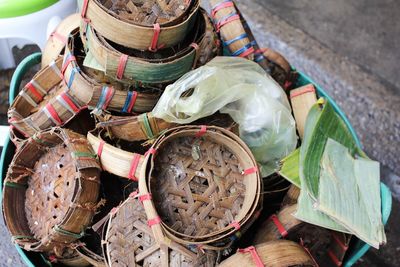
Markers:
point(154, 40)
point(278, 225)
point(69, 101)
point(151, 151)
point(133, 101)
point(250, 170)
point(226, 21)
point(133, 168)
point(145, 197)
point(235, 224)
point(100, 148)
point(67, 62)
point(308, 89)
point(220, 6)
point(121, 66)
point(256, 258)
point(53, 113)
point(33, 90)
point(60, 37)
point(154, 221)
point(202, 131)
point(84, 8)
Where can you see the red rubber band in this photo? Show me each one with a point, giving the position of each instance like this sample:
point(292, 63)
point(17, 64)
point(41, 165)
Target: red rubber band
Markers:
point(220, 24)
point(202, 131)
point(133, 168)
point(333, 257)
point(261, 50)
point(150, 151)
point(154, 221)
point(220, 6)
point(33, 90)
point(235, 224)
point(109, 96)
point(69, 101)
point(145, 197)
point(114, 210)
point(60, 37)
point(52, 259)
point(256, 258)
point(195, 46)
point(247, 52)
point(53, 113)
point(84, 8)
point(154, 40)
point(100, 148)
point(308, 89)
point(339, 242)
point(121, 66)
point(133, 101)
point(66, 64)
point(250, 170)
point(287, 84)
point(279, 225)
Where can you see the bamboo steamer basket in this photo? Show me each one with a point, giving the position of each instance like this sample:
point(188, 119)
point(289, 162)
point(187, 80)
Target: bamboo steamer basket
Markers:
point(58, 39)
point(50, 191)
point(134, 128)
point(135, 35)
point(148, 13)
point(129, 241)
point(208, 218)
point(43, 103)
point(109, 95)
point(147, 68)
point(272, 254)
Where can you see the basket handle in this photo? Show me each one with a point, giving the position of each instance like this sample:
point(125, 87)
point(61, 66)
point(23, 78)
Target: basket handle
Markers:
point(19, 73)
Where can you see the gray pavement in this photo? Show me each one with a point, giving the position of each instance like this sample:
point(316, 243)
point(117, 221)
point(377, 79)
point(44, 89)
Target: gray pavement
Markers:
point(350, 49)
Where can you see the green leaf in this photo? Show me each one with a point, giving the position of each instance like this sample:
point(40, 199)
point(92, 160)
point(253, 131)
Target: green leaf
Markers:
point(349, 193)
point(290, 168)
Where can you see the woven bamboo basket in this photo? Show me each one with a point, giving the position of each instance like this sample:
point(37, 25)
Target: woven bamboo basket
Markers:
point(69, 258)
point(291, 196)
point(210, 186)
point(134, 35)
point(130, 241)
point(51, 190)
point(44, 102)
point(110, 95)
point(58, 39)
point(149, 68)
point(272, 254)
point(134, 128)
point(90, 257)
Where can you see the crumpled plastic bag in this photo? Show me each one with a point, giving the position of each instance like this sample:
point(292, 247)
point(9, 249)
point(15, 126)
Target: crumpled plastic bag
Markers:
point(242, 89)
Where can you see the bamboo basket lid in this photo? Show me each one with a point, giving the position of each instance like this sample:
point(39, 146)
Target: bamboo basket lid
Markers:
point(43, 103)
point(108, 95)
point(58, 39)
point(148, 13)
point(147, 68)
point(272, 254)
point(130, 241)
point(207, 217)
point(51, 190)
point(134, 128)
point(134, 35)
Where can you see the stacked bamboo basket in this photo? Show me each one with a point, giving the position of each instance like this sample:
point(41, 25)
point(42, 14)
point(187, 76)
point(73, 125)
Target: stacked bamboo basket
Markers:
point(98, 180)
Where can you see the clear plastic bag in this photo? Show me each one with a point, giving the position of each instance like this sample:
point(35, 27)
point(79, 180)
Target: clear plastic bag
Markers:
point(242, 89)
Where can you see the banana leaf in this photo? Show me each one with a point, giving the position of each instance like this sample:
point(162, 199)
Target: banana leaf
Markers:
point(290, 168)
point(349, 193)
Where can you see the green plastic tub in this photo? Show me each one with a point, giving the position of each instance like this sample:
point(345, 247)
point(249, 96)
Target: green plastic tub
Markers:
point(32, 259)
point(16, 8)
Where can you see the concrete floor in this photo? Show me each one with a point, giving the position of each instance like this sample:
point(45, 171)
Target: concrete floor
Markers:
point(350, 49)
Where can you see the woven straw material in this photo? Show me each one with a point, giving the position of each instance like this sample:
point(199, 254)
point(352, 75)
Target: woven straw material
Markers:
point(150, 68)
point(130, 242)
point(51, 190)
point(58, 39)
point(134, 128)
point(69, 257)
point(91, 257)
point(197, 185)
point(148, 12)
point(291, 196)
point(38, 106)
point(273, 254)
point(88, 91)
point(113, 159)
point(134, 35)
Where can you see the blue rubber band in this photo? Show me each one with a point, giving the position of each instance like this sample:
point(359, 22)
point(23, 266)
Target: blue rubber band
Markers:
point(240, 37)
point(220, 3)
point(243, 49)
point(72, 77)
point(127, 102)
point(102, 98)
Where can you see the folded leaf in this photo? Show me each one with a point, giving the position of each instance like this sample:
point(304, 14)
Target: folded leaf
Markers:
point(290, 168)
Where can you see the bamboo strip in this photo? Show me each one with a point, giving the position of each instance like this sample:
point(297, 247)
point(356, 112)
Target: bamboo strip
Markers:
point(57, 40)
point(134, 35)
point(302, 99)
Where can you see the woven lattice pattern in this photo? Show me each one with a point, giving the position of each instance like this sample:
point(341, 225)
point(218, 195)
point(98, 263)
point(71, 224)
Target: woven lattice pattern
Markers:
point(147, 12)
point(197, 186)
point(50, 190)
point(130, 241)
